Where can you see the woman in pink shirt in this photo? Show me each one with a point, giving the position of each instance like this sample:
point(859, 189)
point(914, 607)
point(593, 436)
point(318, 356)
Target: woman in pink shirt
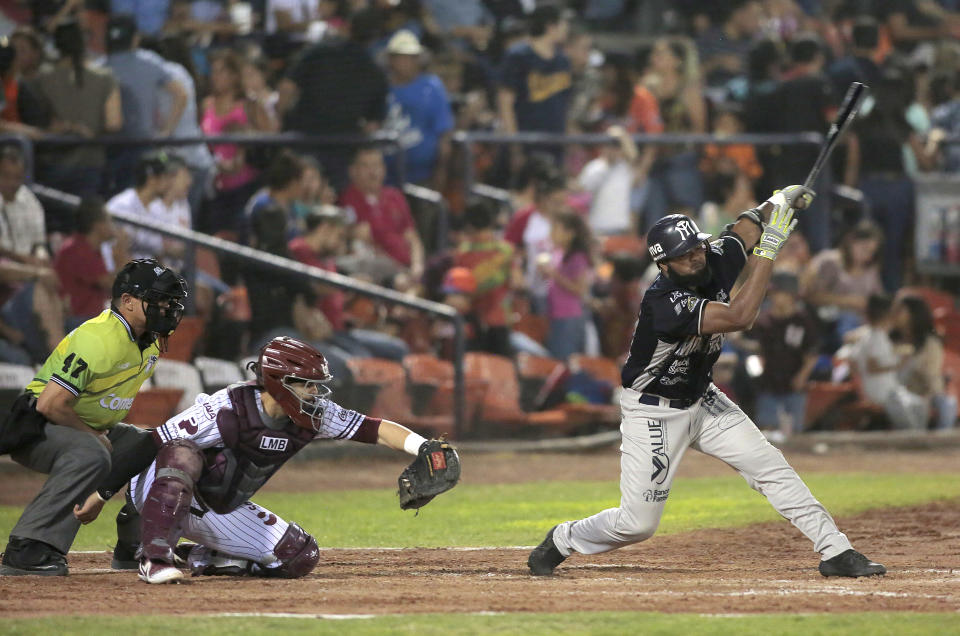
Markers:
point(569, 272)
point(227, 111)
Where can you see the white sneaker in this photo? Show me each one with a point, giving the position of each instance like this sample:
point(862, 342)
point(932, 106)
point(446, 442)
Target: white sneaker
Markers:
point(157, 572)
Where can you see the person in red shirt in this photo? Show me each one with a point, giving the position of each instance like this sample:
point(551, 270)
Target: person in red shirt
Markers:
point(319, 246)
point(383, 216)
point(79, 265)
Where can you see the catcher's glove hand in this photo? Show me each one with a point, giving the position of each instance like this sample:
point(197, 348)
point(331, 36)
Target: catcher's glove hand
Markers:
point(435, 470)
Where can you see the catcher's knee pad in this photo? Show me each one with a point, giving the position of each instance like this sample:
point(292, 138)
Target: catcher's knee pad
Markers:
point(178, 466)
point(297, 552)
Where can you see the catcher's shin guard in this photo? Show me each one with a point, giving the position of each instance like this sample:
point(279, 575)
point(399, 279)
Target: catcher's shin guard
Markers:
point(179, 463)
point(297, 552)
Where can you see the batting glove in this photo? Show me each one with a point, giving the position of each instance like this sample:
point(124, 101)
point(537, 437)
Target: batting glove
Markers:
point(797, 197)
point(777, 231)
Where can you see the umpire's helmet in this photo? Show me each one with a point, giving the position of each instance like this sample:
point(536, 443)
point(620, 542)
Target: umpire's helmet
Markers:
point(151, 282)
point(672, 236)
point(293, 373)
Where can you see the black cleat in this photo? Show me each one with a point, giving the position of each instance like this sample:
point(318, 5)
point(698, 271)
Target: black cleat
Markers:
point(26, 557)
point(851, 563)
point(545, 557)
point(125, 556)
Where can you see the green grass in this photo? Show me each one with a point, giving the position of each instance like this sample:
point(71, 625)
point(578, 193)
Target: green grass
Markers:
point(517, 514)
point(598, 623)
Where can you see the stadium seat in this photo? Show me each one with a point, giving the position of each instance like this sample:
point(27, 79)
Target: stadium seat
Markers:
point(537, 327)
point(14, 378)
point(216, 373)
point(181, 344)
point(430, 383)
point(153, 407)
point(539, 377)
point(501, 404)
point(387, 380)
point(623, 244)
point(173, 374)
point(951, 372)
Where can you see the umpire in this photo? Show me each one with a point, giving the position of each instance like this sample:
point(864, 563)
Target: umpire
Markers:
point(66, 423)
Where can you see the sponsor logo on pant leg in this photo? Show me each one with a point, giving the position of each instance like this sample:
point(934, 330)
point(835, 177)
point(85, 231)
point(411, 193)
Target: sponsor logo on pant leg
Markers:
point(653, 495)
point(658, 447)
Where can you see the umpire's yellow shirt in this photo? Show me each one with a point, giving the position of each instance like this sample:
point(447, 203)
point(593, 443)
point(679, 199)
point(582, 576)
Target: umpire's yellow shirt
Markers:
point(102, 364)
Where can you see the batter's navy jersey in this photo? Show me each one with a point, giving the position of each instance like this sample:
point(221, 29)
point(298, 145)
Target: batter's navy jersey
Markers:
point(668, 356)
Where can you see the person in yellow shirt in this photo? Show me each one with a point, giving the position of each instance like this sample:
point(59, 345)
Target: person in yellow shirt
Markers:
point(67, 422)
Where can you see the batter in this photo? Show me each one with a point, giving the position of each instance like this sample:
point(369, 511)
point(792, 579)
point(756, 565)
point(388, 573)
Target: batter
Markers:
point(669, 403)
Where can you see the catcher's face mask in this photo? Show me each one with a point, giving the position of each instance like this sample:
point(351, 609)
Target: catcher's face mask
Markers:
point(311, 396)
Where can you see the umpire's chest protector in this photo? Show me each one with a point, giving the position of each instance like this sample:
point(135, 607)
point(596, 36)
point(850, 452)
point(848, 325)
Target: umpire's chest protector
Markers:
point(251, 452)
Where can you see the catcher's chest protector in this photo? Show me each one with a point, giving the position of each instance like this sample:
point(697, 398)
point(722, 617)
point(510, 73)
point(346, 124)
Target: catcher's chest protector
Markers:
point(252, 453)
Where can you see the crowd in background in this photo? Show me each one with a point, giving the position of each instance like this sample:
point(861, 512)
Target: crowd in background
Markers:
point(560, 268)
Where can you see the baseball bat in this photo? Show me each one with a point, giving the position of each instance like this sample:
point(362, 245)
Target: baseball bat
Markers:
point(845, 116)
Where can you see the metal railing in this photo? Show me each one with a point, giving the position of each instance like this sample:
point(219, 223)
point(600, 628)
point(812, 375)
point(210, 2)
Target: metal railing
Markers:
point(286, 265)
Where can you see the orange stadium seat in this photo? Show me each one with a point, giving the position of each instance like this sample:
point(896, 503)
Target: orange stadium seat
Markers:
point(392, 401)
point(501, 405)
point(183, 341)
point(537, 327)
point(430, 381)
point(951, 371)
point(153, 407)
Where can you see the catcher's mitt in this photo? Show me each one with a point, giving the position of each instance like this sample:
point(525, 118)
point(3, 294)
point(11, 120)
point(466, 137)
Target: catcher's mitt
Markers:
point(435, 470)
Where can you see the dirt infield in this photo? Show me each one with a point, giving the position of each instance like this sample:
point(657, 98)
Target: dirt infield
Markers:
point(762, 568)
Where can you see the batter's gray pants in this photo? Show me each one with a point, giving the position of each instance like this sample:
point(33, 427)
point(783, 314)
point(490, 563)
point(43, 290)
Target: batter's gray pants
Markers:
point(655, 439)
point(76, 463)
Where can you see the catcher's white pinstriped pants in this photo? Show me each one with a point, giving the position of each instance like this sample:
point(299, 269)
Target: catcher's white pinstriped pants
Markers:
point(655, 439)
point(250, 531)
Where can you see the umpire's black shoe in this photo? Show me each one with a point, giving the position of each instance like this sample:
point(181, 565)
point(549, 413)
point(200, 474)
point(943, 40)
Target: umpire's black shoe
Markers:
point(26, 557)
point(125, 556)
point(545, 557)
point(851, 563)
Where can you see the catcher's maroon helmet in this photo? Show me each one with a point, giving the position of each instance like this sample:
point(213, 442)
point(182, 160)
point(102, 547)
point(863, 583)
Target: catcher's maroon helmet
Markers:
point(287, 362)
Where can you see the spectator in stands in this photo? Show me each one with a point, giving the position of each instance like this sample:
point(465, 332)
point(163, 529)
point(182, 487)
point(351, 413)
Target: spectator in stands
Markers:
point(535, 79)
point(788, 341)
point(468, 23)
point(383, 215)
point(531, 232)
point(30, 57)
point(153, 177)
point(334, 87)
point(675, 183)
point(315, 191)
point(273, 204)
point(292, 18)
point(27, 282)
point(946, 121)
point(323, 241)
point(171, 207)
point(922, 370)
point(149, 15)
point(19, 107)
point(877, 166)
point(723, 48)
point(419, 112)
point(803, 101)
point(257, 88)
point(80, 268)
point(491, 262)
point(570, 273)
point(860, 65)
point(78, 99)
point(609, 179)
point(142, 77)
point(838, 282)
point(585, 78)
point(178, 64)
point(227, 111)
point(877, 364)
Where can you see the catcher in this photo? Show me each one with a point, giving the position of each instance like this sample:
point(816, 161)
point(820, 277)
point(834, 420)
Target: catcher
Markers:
point(215, 455)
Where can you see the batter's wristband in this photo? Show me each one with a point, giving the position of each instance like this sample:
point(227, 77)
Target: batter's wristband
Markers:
point(758, 251)
point(752, 215)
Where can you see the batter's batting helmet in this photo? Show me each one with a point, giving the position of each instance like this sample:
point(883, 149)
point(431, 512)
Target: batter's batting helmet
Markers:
point(293, 373)
point(672, 236)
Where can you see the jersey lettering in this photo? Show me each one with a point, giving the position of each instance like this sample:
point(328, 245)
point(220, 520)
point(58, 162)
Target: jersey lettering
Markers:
point(273, 443)
point(189, 426)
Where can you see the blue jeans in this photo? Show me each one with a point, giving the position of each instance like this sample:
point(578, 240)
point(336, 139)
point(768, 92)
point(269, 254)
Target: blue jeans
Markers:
point(891, 202)
point(770, 407)
point(674, 183)
point(567, 336)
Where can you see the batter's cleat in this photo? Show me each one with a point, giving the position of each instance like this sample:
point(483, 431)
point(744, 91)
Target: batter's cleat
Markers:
point(545, 557)
point(851, 563)
point(125, 556)
point(157, 572)
point(27, 557)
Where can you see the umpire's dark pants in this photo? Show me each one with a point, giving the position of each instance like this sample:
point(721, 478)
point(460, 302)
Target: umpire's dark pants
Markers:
point(76, 463)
